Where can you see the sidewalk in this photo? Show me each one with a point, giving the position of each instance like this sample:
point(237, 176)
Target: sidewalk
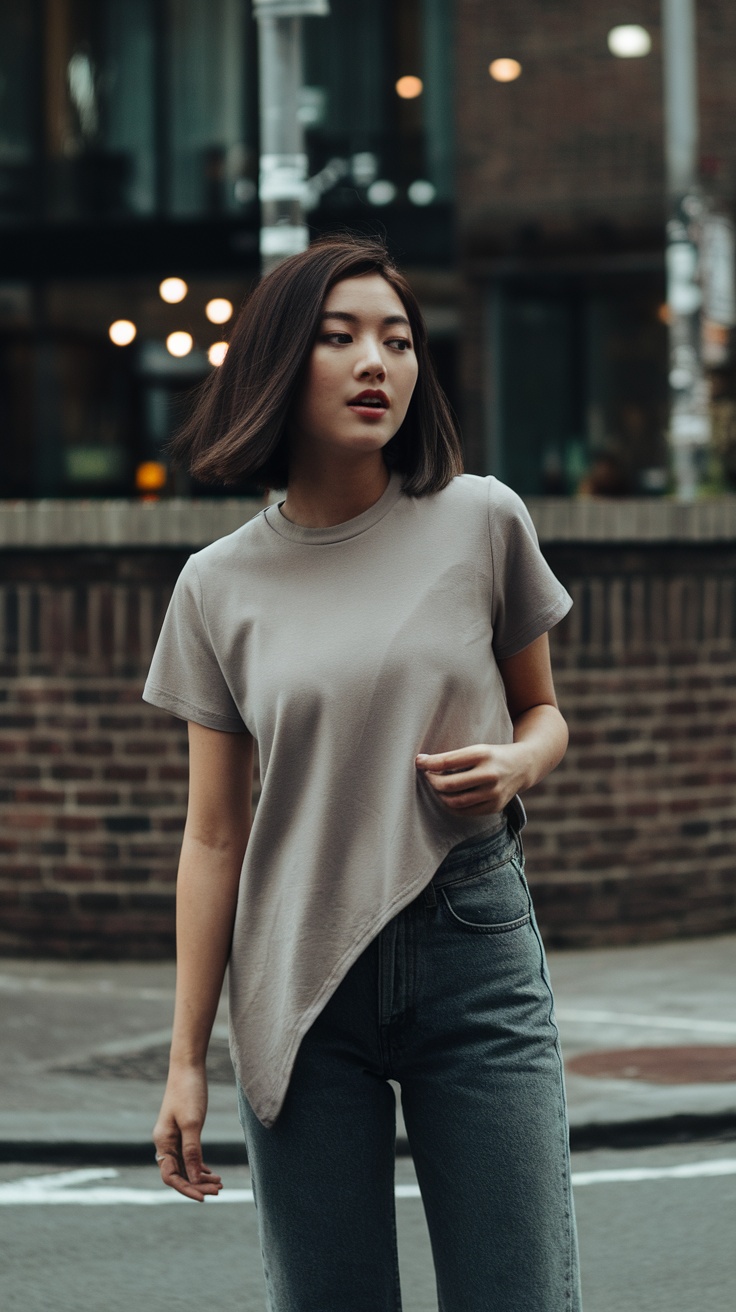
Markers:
point(84, 1051)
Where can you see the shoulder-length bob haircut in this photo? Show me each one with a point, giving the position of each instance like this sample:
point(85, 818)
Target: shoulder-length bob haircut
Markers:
point(237, 428)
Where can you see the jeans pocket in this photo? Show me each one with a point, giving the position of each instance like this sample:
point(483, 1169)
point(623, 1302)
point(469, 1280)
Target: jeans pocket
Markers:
point(494, 901)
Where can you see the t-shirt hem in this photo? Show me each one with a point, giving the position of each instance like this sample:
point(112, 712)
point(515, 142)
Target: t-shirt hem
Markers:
point(270, 1109)
point(540, 624)
point(179, 706)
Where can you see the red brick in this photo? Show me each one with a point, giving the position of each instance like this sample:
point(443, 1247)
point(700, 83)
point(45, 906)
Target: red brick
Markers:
point(51, 796)
point(71, 770)
point(93, 746)
point(74, 874)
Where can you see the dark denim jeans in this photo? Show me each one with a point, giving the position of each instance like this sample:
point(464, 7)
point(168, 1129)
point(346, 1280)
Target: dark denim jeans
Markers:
point(452, 999)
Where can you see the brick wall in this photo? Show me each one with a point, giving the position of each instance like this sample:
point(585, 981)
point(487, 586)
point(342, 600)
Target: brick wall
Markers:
point(93, 782)
point(633, 837)
point(577, 140)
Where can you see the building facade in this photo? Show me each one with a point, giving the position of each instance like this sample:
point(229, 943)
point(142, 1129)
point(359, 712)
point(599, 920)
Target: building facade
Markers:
point(529, 214)
point(129, 155)
point(561, 224)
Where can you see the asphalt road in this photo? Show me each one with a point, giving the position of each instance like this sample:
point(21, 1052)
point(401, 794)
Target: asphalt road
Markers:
point(656, 1232)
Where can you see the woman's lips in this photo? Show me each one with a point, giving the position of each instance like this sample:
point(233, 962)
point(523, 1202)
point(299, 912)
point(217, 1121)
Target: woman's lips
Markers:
point(369, 411)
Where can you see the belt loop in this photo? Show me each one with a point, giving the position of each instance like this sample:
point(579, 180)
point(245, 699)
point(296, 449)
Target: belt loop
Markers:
point(430, 896)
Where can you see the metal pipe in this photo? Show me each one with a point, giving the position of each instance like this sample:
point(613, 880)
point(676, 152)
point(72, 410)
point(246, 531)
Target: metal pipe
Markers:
point(283, 161)
point(689, 425)
point(680, 94)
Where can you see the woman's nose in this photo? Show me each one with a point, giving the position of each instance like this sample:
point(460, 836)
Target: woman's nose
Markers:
point(371, 363)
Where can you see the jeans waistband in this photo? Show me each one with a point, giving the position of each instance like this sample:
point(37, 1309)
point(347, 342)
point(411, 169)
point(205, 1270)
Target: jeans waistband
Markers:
point(480, 850)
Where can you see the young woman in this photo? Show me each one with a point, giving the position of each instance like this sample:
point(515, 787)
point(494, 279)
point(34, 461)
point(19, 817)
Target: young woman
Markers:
point(382, 635)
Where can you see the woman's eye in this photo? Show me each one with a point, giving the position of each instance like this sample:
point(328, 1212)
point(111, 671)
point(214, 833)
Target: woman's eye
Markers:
point(402, 341)
point(329, 337)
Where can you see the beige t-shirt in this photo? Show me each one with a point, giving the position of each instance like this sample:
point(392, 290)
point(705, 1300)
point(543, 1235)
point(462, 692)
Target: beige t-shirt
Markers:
point(345, 651)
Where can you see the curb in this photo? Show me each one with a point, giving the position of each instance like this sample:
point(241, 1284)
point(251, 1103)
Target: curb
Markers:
point(583, 1138)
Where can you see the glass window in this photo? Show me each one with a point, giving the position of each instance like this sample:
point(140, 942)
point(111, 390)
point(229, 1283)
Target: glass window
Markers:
point(79, 415)
point(213, 164)
point(580, 387)
point(127, 107)
point(378, 98)
point(99, 129)
point(17, 106)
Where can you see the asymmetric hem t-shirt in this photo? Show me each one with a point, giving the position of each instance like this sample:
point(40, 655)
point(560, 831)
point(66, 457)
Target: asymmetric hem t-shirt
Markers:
point(345, 651)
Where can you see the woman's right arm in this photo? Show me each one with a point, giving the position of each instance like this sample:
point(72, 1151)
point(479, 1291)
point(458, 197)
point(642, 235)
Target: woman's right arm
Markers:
point(215, 838)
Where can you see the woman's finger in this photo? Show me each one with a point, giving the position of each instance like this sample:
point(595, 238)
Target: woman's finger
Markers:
point(458, 783)
point(172, 1176)
point(460, 759)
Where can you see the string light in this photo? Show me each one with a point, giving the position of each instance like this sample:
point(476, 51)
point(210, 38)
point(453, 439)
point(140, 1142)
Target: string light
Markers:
point(122, 332)
point(409, 87)
point(219, 310)
point(505, 70)
point(179, 344)
point(173, 290)
point(217, 353)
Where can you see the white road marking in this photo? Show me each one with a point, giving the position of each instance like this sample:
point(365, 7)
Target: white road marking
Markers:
point(633, 1174)
point(62, 1179)
point(47, 1190)
point(576, 1015)
point(99, 988)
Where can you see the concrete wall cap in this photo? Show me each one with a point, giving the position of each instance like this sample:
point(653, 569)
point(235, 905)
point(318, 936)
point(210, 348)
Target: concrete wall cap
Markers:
point(194, 522)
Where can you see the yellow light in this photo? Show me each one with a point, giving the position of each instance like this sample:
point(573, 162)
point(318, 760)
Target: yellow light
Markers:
point(173, 290)
point(505, 70)
point(219, 310)
point(217, 352)
point(179, 343)
point(664, 314)
point(150, 476)
point(409, 87)
point(122, 332)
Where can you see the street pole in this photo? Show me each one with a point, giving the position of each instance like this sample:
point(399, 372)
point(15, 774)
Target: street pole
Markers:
point(282, 184)
point(689, 423)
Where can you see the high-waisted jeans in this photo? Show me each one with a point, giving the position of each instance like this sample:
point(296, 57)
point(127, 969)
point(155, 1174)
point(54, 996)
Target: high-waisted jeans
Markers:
point(451, 999)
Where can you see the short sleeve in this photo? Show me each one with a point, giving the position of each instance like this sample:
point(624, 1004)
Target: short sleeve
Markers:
point(528, 599)
point(185, 676)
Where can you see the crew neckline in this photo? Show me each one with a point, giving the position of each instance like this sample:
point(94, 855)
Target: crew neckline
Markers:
point(350, 528)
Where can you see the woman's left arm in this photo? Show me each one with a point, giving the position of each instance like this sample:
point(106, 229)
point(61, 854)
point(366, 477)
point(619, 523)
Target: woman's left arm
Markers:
point(482, 779)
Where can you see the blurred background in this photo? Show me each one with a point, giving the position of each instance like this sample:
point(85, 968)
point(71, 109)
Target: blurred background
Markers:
point(559, 183)
point(514, 155)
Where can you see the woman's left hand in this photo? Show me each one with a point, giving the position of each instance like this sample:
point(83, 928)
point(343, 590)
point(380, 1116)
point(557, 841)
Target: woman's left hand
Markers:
point(477, 780)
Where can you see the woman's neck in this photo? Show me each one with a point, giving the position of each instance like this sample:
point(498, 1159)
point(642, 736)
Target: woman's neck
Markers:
point(323, 498)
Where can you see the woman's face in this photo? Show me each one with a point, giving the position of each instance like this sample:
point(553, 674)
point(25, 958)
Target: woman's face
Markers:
point(364, 345)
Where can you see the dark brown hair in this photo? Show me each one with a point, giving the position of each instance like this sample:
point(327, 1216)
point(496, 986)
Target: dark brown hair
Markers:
point(237, 429)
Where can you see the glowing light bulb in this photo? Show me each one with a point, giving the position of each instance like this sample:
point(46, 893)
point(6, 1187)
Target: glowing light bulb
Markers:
point(179, 343)
point(173, 290)
point(219, 310)
point(629, 41)
point(409, 87)
point(122, 332)
point(217, 352)
point(505, 70)
point(150, 476)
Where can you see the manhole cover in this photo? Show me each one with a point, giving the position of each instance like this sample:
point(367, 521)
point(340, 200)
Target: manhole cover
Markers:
point(695, 1065)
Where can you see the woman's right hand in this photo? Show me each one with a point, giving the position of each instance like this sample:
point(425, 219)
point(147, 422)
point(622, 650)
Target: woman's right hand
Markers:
point(177, 1134)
